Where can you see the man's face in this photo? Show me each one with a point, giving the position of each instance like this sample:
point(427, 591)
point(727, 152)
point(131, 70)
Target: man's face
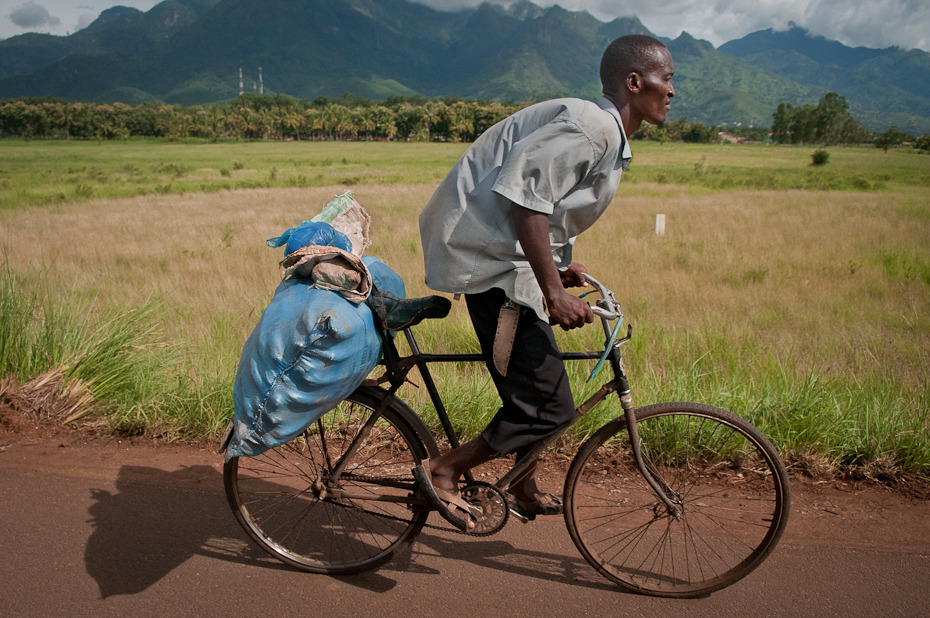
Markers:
point(656, 92)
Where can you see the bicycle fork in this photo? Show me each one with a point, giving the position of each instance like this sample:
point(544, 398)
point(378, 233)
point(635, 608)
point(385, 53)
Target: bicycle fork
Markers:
point(621, 386)
point(626, 402)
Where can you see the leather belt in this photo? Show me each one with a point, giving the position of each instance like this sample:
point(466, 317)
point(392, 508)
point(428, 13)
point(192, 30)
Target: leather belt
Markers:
point(504, 336)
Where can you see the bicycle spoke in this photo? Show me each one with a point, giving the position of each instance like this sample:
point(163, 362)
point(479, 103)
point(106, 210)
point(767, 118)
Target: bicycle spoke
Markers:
point(296, 505)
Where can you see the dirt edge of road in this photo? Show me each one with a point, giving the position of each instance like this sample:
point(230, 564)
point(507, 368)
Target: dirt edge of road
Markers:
point(832, 511)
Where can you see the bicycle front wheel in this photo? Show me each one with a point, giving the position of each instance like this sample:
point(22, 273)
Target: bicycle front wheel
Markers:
point(720, 471)
point(336, 499)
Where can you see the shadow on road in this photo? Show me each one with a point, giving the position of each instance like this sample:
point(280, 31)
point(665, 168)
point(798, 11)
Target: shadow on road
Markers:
point(538, 564)
point(155, 521)
point(487, 553)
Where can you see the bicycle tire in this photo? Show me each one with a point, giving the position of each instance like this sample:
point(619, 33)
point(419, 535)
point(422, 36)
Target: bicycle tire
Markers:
point(289, 504)
point(723, 473)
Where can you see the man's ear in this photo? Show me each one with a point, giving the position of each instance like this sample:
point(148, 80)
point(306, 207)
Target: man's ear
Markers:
point(634, 82)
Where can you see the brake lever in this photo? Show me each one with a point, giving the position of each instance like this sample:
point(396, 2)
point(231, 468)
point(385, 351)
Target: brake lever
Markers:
point(606, 306)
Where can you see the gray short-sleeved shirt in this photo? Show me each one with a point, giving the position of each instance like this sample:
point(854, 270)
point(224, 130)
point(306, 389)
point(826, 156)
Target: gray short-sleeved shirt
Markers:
point(562, 157)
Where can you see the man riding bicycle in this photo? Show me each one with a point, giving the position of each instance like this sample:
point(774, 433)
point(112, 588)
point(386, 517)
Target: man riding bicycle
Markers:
point(500, 229)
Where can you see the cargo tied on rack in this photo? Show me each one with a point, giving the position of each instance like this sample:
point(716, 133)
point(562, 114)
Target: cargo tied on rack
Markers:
point(317, 340)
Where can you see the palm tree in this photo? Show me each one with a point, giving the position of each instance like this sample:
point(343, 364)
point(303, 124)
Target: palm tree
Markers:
point(63, 116)
point(334, 120)
point(366, 122)
point(461, 121)
point(294, 120)
point(432, 113)
point(314, 120)
point(385, 122)
point(236, 124)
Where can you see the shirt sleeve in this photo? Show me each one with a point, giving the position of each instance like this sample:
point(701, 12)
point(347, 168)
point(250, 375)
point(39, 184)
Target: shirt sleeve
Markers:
point(563, 255)
point(544, 166)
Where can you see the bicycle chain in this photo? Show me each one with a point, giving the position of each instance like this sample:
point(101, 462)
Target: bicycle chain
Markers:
point(446, 528)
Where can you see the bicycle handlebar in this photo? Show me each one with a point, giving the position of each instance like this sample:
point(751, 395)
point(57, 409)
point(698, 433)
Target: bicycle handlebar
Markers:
point(606, 306)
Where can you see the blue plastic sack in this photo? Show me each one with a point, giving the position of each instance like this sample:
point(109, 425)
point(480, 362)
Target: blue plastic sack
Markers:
point(383, 277)
point(310, 350)
point(311, 233)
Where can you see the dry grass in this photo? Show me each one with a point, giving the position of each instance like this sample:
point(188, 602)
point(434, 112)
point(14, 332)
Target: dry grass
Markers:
point(203, 256)
point(48, 396)
point(801, 275)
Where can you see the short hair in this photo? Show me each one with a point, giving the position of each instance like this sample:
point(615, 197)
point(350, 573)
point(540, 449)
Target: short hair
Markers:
point(628, 54)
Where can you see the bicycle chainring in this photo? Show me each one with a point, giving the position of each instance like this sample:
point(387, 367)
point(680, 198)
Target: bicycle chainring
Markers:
point(493, 505)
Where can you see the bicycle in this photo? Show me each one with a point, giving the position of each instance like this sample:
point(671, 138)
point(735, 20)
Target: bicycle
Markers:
point(672, 499)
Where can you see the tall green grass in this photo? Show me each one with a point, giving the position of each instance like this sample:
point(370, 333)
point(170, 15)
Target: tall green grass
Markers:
point(821, 423)
point(119, 359)
point(40, 335)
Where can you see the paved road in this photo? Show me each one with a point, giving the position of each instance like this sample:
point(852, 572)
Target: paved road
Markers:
point(128, 530)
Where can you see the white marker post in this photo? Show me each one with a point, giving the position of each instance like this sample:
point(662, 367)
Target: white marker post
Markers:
point(660, 225)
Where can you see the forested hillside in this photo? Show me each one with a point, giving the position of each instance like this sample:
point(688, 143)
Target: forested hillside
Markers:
point(189, 52)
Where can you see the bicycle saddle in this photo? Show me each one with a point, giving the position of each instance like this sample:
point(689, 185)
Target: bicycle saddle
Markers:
point(400, 313)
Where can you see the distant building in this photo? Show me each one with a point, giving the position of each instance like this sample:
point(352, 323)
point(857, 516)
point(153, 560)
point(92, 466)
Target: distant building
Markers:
point(730, 138)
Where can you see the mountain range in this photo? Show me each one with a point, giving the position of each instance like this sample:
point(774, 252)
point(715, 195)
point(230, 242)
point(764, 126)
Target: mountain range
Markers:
point(190, 52)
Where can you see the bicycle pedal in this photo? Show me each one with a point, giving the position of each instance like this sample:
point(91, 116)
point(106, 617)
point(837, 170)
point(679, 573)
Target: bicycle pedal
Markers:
point(525, 519)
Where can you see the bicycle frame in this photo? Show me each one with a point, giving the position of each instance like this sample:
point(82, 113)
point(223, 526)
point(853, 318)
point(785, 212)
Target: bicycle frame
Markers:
point(624, 493)
point(398, 367)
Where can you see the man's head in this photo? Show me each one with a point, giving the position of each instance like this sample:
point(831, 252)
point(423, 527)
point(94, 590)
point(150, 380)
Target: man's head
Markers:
point(636, 74)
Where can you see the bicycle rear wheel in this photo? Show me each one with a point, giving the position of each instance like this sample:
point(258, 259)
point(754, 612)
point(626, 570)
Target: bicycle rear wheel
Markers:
point(291, 503)
point(721, 471)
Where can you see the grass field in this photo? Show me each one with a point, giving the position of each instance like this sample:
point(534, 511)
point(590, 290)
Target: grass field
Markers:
point(794, 295)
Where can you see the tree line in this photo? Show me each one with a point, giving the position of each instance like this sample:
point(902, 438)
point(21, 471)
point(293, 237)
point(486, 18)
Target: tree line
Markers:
point(253, 116)
point(416, 118)
point(279, 117)
point(827, 123)
point(830, 123)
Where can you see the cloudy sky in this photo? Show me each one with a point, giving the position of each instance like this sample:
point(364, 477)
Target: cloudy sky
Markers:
point(869, 23)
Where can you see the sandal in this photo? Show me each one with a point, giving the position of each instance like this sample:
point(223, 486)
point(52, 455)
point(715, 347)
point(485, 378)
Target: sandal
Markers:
point(442, 500)
point(544, 504)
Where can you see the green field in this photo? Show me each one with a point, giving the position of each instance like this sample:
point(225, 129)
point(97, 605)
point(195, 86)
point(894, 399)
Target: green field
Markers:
point(34, 173)
point(795, 295)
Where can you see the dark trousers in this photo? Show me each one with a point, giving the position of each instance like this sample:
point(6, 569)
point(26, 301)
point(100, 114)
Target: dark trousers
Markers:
point(537, 399)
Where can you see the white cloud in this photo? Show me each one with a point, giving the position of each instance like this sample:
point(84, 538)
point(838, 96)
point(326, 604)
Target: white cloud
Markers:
point(60, 17)
point(869, 23)
point(32, 15)
point(879, 23)
point(85, 19)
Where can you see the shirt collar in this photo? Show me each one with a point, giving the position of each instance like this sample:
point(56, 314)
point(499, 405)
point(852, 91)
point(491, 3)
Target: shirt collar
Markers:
point(625, 153)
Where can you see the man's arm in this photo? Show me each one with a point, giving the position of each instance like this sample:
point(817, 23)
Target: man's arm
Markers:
point(566, 310)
